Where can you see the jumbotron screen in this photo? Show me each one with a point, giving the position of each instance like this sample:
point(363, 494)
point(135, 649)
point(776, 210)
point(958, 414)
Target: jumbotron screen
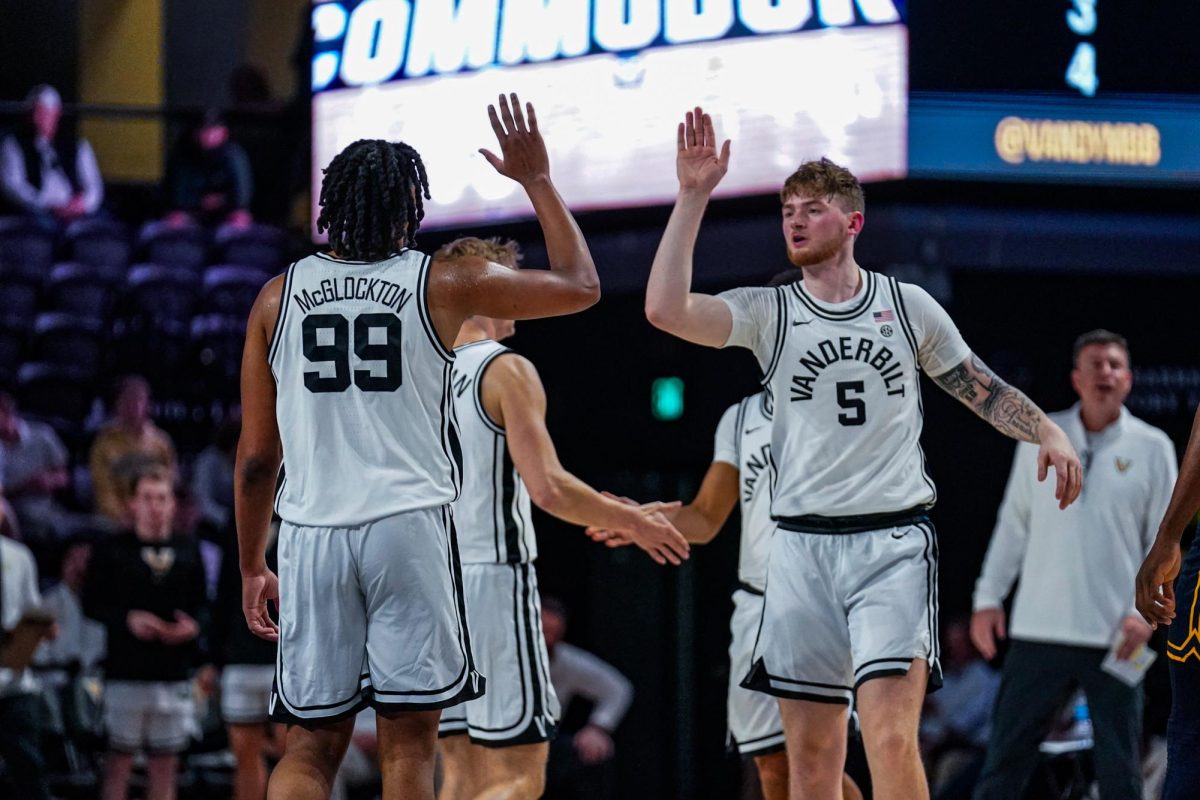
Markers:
point(1079, 90)
point(786, 80)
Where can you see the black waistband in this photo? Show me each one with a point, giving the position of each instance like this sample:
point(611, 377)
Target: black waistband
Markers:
point(745, 587)
point(813, 523)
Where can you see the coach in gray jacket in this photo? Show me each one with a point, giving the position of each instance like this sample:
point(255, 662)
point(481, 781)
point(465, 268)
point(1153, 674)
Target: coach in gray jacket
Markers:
point(1077, 569)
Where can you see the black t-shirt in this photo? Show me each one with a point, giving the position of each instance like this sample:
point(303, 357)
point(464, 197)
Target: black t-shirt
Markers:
point(127, 574)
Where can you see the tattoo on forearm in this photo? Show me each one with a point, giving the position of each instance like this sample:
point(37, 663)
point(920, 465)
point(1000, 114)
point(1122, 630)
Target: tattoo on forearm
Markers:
point(1007, 409)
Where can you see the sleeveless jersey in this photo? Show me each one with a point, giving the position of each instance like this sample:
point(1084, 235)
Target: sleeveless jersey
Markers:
point(744, 440)
point(363, 401)
point(492, 515)
point(847, 403)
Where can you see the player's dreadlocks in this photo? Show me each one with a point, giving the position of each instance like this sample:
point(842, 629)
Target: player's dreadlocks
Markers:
point(371, 199)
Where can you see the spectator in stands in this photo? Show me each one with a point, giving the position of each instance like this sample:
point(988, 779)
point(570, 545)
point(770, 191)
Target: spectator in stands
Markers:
point(247, 665)
point(34, 468)
point(45, 170)
point(212, 485)
point(209, 177)
point(19, 709)
point(125, 447)
point(575, 672)
point(957, 718)
point(146, 587)
point(81, 641)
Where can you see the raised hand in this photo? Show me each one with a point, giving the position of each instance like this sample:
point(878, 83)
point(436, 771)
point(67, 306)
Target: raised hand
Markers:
point(697, 163)
point(523, 152)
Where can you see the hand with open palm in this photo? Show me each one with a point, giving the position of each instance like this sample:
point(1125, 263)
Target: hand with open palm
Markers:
point(697, 162)
point(523, 155)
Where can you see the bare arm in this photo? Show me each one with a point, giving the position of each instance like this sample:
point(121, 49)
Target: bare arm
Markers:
point(1009, 411)
point(1185, 498)
point(259, 455)
point(700, 520)
point(474, 286)
point(671, 306)
point(514, 397)
point(1155, 584)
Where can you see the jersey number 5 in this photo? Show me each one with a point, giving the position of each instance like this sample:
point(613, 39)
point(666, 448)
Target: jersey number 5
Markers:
point(855, 408)
point(337, 352)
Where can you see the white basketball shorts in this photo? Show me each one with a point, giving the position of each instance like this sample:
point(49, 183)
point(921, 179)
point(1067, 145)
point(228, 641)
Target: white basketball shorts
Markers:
point(755, 726)
point(844, 608)
point(505, 618)
point(371, 615)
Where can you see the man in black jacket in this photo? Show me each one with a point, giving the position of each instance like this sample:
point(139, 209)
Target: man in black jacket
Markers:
point(45, 170)
point(147, 587)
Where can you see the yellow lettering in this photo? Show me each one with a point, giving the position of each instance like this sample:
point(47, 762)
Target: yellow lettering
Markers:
point(1077, 141)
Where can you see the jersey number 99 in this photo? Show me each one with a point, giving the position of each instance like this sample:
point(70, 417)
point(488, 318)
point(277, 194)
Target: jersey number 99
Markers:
point(338, 352)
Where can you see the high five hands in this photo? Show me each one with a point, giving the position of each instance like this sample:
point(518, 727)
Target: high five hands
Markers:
point(656, 534)
point(697, 163)
point(523, 155)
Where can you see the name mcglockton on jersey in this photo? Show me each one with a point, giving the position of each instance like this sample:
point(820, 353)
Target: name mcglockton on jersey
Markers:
point(377, 290)
point(867, 351)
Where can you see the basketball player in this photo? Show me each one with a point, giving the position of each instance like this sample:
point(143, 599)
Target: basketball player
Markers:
point(851, 591)
point(740, 472)
point(346, 381)
point(1164, 573)
point(496, 746)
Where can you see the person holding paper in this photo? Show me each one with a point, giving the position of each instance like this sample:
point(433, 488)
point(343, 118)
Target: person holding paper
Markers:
point(1074, 609)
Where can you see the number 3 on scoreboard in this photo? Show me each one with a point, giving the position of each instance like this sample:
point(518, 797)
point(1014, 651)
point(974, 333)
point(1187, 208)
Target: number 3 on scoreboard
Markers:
point(1081, 72)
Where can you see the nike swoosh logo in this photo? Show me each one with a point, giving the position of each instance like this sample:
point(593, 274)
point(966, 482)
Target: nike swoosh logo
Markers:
point(900, 534)
point(752, 430)
point(803, 322)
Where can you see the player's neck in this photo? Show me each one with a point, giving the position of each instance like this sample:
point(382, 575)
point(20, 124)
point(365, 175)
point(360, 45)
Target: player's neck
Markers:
point(471, 332)
point(833, 281)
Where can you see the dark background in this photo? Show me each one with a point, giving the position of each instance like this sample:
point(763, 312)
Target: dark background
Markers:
point(1022, 269)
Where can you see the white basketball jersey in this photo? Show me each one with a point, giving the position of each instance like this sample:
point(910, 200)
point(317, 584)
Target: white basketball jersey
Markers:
point(847, 401)
point(492, 515)
point(363, 402)
point(744, 440)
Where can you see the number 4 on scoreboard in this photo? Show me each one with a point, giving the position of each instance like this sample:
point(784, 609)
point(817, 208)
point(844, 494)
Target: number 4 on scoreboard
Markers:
point(1081, 72)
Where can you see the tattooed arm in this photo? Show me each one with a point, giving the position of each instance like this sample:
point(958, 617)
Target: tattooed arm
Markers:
point(1009, 411)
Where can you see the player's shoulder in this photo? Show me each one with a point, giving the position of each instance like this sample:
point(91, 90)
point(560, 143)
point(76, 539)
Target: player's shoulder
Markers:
point(911, 294)
point(729, 415)
point(458, 269)
point(747, 295)
point(507, 367)
point(270, 296)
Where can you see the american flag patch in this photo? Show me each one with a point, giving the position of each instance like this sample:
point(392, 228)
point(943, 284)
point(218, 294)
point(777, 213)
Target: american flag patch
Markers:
point(884, 316)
